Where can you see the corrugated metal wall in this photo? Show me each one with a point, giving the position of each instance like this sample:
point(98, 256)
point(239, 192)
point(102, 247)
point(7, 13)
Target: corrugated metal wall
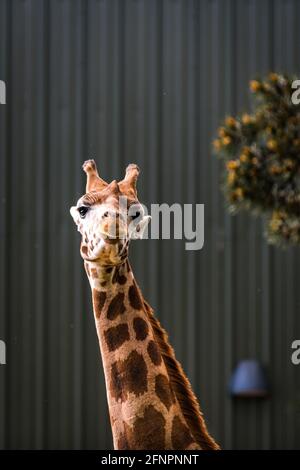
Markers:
point(148, 82)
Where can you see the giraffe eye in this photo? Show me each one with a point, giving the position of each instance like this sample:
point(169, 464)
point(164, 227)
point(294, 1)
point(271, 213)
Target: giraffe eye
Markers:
point(135, 212)
point(82, 211)
point(136, 215)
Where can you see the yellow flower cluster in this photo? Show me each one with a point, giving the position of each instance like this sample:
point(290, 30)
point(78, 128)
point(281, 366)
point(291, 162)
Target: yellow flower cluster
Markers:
point(272, 144)
point(222, 132)
point(247, 157)
point(237, 168)
point(286, 165)
point(276, 221)
point(244, 158)
point(247, 119)
point(237, 194)
point(273, 77)
point(223, 142)
point(217, 144)
point(230, 121)
point(275, 169)
point(289, 164)
point(232, 164)
point(226, 140)
point(231, 177)
point(255, 86)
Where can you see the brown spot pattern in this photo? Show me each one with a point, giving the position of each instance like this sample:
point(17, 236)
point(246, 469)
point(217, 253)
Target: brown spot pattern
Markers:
point(123, 443)
point(125, 438)
point(94, 273)
point(134, 297)
point(99, 299)
point(84, 249)
point(118, 277)
point(163, 390)
point(116, 306)
point(149, 430)
point(141, 328)
point(181, 436)
point(116, 336)
point(128, 376)
point(154, 353)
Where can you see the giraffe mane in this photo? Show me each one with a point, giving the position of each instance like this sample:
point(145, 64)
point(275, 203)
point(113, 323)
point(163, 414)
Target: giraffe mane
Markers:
point(181, 386)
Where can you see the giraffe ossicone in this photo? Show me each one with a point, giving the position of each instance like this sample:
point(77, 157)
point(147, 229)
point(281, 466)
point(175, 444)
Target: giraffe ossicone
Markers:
point(151, 403)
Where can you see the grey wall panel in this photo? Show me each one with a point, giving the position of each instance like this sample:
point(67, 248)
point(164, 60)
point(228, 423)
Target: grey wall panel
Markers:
point(146, 81)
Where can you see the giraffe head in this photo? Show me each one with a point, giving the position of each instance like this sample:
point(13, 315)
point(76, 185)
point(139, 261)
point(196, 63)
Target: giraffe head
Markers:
point(108, 216)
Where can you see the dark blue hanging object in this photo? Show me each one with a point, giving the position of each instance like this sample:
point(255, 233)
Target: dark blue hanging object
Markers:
point(249, 380)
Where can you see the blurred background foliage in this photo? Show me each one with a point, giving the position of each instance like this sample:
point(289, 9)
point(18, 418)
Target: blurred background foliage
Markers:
point(261, 155)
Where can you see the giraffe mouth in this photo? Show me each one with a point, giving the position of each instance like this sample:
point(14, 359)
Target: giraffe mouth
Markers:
point(109, 239)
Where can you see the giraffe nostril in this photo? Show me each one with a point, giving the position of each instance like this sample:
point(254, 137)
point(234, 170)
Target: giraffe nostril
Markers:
point(106, 214)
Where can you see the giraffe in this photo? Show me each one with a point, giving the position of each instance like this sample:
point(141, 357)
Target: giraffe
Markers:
point(151, 402)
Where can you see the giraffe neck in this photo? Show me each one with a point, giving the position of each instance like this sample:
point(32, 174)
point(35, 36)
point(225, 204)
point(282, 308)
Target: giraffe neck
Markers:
point(143, 406)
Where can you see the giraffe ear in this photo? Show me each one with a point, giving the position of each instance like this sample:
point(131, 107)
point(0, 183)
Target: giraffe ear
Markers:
point(128, 184)
point(137, 231)
point(93, 182)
